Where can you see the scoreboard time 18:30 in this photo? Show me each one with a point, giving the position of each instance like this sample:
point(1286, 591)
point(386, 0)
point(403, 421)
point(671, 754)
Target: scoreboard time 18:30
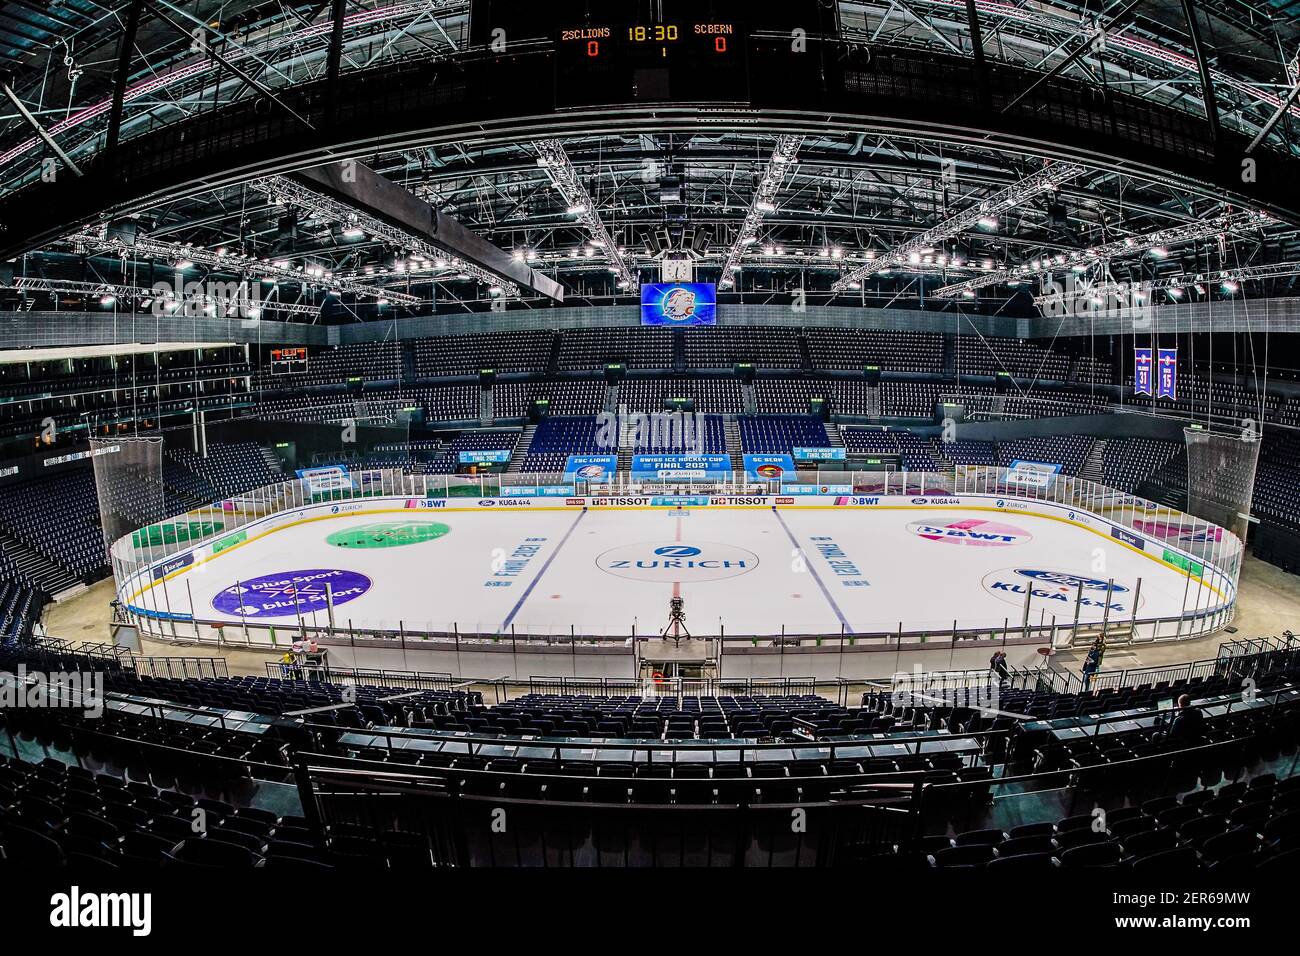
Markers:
point(599, 41)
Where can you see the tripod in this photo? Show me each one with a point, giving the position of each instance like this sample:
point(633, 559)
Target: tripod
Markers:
point(676, 621)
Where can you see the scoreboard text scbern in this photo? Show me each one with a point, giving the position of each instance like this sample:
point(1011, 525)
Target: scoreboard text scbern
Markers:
point(622, 60)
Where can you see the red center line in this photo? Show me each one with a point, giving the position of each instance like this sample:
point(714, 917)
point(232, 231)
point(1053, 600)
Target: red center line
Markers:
point(677, 585)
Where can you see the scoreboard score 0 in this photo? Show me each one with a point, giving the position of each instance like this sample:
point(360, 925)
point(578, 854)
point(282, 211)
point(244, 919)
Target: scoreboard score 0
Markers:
point(288, 361)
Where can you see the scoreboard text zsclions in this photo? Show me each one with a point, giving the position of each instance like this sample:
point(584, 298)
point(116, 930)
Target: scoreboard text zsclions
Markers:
point(615, 62)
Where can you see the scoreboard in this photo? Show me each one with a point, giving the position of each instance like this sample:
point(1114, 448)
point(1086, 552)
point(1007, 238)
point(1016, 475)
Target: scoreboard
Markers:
point(658, 51)
point(620, 60)
point(288, 361)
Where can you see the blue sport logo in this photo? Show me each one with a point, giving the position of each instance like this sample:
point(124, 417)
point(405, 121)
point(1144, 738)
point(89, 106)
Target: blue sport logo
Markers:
point(291, 593)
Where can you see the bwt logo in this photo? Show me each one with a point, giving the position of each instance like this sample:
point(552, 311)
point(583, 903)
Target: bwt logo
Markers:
point(677, 551)
point(218, 299)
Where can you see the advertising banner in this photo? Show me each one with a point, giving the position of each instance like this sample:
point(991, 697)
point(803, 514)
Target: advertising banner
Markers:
point(536, 491)
point(496, 456)
point(594, 469)
point(769, 467)
point(325, 479)
point(819, 454)
point(1033, 474)
point(681, 467)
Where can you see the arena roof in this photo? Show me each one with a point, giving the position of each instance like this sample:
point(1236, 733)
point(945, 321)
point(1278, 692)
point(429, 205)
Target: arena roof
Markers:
point(840, 209)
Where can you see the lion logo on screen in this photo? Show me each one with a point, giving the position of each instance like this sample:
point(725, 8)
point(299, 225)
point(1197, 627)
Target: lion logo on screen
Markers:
point(679, 305)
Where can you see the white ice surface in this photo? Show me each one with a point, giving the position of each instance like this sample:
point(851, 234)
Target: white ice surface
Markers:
point(910, 579)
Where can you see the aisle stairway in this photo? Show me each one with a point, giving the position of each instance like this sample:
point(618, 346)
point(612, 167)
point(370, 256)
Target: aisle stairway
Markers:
point(34, 567)
point(731, 432)
point(1091, 469)
point(272, 463)
point(520, 453)
point(873, 401)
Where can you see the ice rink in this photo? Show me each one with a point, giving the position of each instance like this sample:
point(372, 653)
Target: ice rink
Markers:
point(750, 571)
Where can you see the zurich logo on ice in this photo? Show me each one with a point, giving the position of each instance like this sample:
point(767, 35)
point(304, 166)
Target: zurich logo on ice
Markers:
point(1069, 580)
point(655, 561)
point(677, 551)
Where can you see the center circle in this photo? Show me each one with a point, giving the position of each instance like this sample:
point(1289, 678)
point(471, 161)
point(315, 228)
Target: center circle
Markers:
point(667, 562)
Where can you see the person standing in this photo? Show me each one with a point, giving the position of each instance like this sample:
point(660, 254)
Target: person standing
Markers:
point(998, 665)
point(1092, 663)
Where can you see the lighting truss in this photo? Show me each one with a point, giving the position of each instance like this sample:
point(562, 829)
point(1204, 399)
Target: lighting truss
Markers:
point(220, 305)
point(1130, 247)
point(554, 160)
point(1176, 284)
point(229, 261)
point(1005, 13)
point(1018, 193)
point(764, 201)
point(283, 191)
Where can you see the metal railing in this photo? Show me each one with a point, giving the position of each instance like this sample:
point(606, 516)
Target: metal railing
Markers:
point(675, 686)
point(371, 677)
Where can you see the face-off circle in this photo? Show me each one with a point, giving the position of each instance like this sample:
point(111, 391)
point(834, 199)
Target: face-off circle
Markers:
point(388, 534)
point(669, 561)
point(1057, 591)
point(971, 532)
point(291, 593)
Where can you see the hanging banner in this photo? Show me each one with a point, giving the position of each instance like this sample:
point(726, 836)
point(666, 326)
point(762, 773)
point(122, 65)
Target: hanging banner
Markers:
point(594, 469)
point(325, 479)
point(1167, 382)
point(769, 467)
point(1033, 474)
point(819, 454)
point(681, 467)
point(494, 456)
point(1142, 372)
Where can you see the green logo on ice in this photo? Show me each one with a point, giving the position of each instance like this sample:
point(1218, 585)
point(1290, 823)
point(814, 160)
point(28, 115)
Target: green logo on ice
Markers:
point(388, 534)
